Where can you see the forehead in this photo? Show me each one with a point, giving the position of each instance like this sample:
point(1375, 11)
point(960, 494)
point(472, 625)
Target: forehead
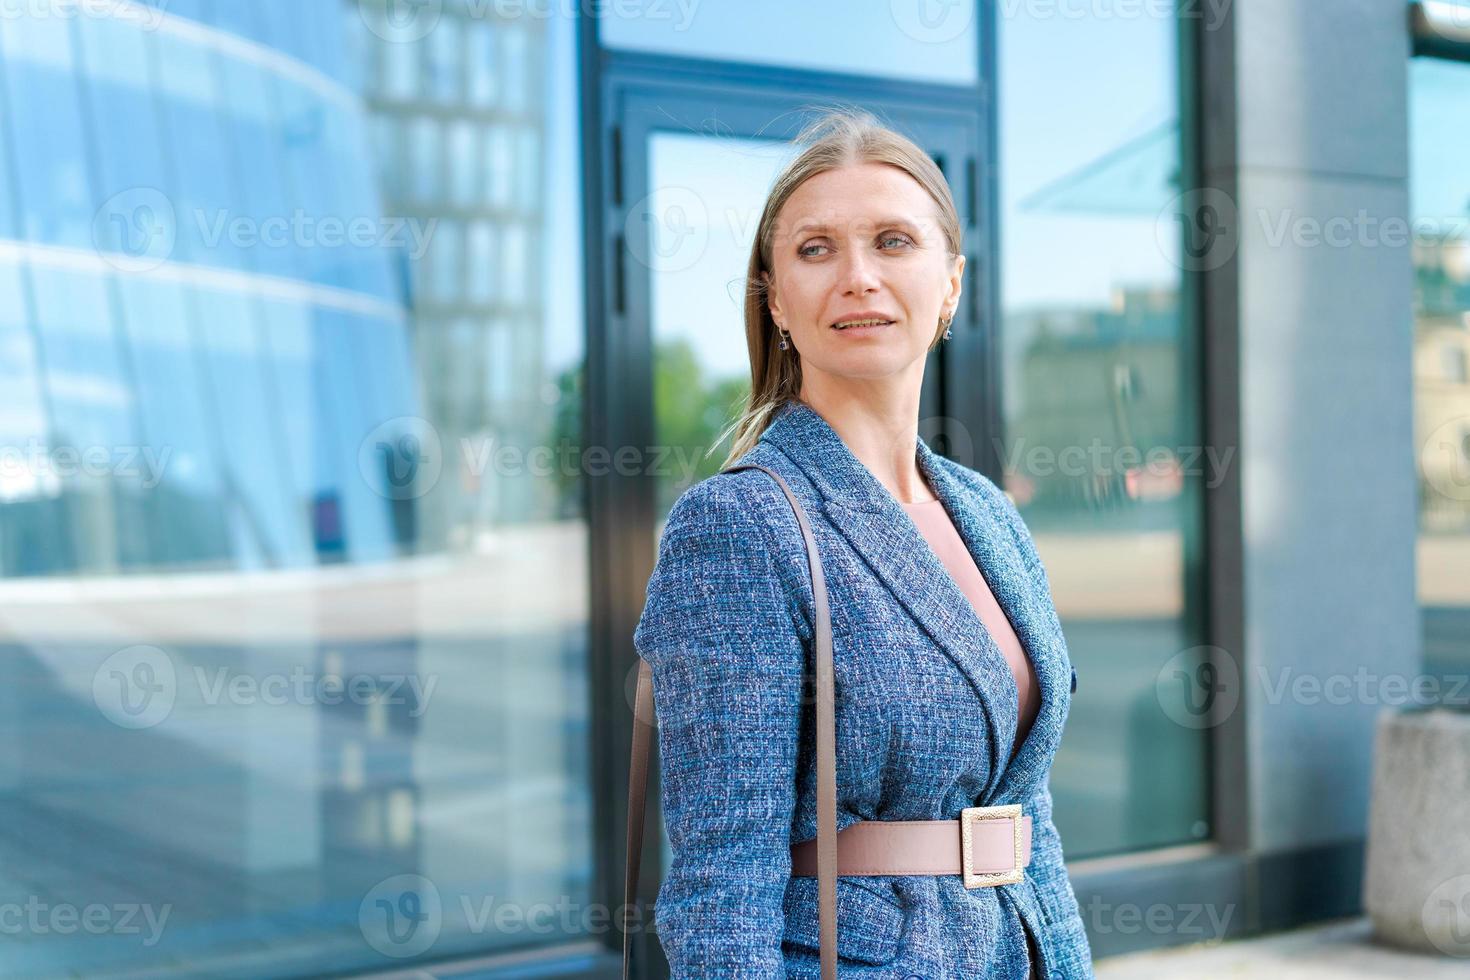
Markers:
point(857, 200)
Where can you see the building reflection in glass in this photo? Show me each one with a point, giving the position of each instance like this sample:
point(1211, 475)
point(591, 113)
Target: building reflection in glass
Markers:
point(277, 631)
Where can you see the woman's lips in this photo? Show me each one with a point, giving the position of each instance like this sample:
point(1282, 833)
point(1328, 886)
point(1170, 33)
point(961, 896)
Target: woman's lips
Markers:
point(862, 328)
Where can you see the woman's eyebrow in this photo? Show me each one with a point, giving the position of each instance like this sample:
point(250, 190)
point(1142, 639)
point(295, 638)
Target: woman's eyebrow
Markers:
point(818, 228)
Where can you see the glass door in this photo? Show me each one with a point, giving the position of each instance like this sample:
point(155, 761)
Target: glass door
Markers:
point(689, 175)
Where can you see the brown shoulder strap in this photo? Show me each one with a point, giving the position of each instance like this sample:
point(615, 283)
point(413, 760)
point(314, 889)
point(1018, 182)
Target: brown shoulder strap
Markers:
point(643, 718)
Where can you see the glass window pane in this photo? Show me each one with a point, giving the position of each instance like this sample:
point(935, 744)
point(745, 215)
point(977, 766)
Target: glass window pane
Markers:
point(919, 40)
point(55, 202)
point(1439, 194)
point(1099, 392)
point(705, 202)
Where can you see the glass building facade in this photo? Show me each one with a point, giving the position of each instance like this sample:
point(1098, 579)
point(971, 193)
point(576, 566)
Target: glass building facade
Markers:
point(324, 325)
point(287, 637)
point(1439, 187)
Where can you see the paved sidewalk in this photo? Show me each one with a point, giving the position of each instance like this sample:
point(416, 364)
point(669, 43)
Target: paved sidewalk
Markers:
point(1340, 950)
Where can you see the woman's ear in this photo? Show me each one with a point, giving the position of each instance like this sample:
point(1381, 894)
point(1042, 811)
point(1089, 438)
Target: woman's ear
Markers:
point(955, 284)
point(771, 303)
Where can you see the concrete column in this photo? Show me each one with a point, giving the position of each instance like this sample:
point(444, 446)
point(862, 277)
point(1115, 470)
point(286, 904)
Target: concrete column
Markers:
point(1309, 332)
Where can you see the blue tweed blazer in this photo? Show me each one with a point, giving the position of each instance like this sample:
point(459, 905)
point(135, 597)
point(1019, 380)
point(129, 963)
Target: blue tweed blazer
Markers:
point(926, 710)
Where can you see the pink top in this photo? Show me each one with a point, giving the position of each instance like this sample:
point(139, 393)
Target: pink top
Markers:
point(934, 523)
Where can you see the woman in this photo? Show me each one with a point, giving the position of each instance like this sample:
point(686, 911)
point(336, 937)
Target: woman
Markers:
point(952, 675)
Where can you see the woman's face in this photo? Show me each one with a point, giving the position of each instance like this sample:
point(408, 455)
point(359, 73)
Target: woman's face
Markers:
point(865, 241)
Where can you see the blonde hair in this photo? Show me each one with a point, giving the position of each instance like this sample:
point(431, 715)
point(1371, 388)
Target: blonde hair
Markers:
point(840, 137)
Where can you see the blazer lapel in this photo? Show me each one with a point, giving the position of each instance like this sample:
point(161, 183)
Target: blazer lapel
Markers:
point(880, 530)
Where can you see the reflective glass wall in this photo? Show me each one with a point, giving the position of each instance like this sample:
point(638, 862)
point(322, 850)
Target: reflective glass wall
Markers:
point(1439, 193)
point(292, 579)
point(1102, 455)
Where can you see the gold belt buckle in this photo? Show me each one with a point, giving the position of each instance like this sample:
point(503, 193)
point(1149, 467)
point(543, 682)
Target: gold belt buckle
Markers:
point(968, 816)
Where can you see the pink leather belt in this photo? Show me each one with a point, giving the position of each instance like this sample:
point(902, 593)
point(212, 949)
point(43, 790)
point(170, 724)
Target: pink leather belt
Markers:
point(987, 845)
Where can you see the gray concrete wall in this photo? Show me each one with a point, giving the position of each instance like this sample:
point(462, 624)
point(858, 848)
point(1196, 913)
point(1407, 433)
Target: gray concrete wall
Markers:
point(1305, 130)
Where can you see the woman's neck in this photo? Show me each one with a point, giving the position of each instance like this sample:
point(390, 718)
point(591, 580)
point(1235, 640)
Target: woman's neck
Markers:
point(880, 426)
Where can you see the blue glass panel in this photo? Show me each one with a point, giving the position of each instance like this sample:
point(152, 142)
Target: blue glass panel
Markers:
point(912, 39)
point(187, 515)
point(266, 528)
point(32, 536)
point(203, 191)
point(136, 218)
point(91, 408)
point(305, 432)
point(251, 121)
point(56, 201)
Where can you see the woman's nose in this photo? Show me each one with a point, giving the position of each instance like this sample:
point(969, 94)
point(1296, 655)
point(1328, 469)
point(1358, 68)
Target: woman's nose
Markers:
point(859, 272)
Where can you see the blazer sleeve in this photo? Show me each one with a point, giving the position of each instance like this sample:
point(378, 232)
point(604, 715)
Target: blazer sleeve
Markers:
point(1048, 873)
point(720, 637)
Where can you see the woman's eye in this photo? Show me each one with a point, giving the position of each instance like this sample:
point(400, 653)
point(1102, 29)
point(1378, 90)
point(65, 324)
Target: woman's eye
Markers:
point(803, 250)
point(895, 238)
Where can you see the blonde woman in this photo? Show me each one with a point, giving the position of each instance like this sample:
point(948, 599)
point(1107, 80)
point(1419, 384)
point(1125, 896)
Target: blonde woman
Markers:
point(951, 673)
